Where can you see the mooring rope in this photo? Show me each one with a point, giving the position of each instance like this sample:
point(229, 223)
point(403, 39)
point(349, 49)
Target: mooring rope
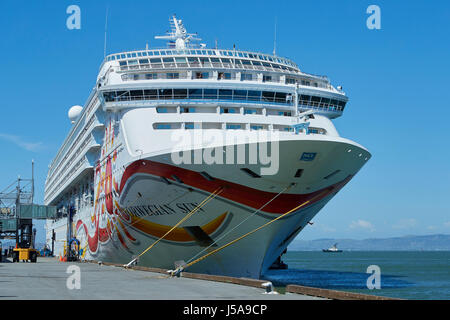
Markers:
point(211, 196)
point(181, 268)
point(240, 223)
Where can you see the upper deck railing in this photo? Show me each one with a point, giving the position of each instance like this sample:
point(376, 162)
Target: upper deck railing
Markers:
point(201, 52)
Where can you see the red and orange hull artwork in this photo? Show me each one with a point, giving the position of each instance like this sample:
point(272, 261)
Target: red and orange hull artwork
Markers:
point(119, 220)
point(110, 219)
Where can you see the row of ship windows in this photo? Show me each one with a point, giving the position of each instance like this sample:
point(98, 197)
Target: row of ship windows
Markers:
point(183, 62)
point(199, 52)
point(229, 126)
point(222, 110)
point(223, 94)
point(210, 75)
point(213, 94)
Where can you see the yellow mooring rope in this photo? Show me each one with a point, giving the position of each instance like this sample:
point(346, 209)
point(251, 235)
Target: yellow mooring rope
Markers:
point(176, 272)
point(209, 198)
point(240, 223)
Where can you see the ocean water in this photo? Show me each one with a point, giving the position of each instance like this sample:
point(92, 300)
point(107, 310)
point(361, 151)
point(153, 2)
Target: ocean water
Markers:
point(420, 275)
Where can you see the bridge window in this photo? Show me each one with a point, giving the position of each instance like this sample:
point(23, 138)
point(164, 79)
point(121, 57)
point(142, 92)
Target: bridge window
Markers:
point(151, 94)
point(213, 94)
point(165, 93)
point(210, 93)
point(195, 93)
point(268, 96)
point(322, 102)
point(109, 96)
point(180, 93)
point(342, 105)
point(240, 95)
point(136, 94)
point(304, 99)
point(280, 96)
point(254, 95)
point(325, 100)
point(225, 94)
point(315, 101)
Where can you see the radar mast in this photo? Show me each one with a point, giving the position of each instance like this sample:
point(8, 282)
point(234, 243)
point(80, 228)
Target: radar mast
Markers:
point(178, 37)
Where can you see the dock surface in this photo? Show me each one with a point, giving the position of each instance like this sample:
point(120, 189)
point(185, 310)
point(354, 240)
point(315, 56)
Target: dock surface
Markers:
point(48, 280)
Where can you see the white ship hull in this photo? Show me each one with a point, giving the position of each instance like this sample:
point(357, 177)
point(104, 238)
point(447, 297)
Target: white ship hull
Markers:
point(144, 206)
point(166, 129)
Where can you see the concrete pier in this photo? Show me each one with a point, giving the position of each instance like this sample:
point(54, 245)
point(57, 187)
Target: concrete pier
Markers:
point(50, 279)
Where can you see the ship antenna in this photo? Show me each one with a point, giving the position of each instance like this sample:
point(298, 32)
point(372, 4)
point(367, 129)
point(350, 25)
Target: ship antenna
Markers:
point(178, 36)
point(275, 38)
point(106, 28)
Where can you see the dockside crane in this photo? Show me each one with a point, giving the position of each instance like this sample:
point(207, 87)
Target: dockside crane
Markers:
point(17, 212)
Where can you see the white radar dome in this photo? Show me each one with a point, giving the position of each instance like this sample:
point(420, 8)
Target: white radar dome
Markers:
point(74, 113)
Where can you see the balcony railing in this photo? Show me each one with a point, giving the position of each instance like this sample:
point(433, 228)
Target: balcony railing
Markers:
point(200, 95)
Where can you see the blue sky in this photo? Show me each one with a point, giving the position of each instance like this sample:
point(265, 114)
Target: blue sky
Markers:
point(396, 79)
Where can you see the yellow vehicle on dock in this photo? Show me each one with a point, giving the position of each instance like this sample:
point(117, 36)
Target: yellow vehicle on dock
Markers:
point(25, 254)
point(24, 250)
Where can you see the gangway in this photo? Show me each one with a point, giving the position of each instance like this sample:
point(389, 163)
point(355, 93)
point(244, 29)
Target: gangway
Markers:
point(17, 212)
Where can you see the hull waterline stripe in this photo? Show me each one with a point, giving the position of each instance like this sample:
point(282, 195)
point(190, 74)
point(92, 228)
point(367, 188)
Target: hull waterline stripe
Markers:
point(241, 194)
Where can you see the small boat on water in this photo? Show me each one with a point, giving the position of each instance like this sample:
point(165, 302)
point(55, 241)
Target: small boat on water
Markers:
point(332, 249)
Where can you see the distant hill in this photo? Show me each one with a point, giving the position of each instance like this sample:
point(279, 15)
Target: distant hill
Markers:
point(407, 243)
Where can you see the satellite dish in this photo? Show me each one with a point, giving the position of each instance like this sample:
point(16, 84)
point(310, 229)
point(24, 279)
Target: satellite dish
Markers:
point(74, 113)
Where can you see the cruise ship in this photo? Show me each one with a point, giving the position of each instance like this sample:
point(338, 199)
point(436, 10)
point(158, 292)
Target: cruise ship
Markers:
point(182, 151)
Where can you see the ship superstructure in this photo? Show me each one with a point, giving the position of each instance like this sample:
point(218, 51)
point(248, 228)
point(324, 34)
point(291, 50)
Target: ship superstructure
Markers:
point(165, 130)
